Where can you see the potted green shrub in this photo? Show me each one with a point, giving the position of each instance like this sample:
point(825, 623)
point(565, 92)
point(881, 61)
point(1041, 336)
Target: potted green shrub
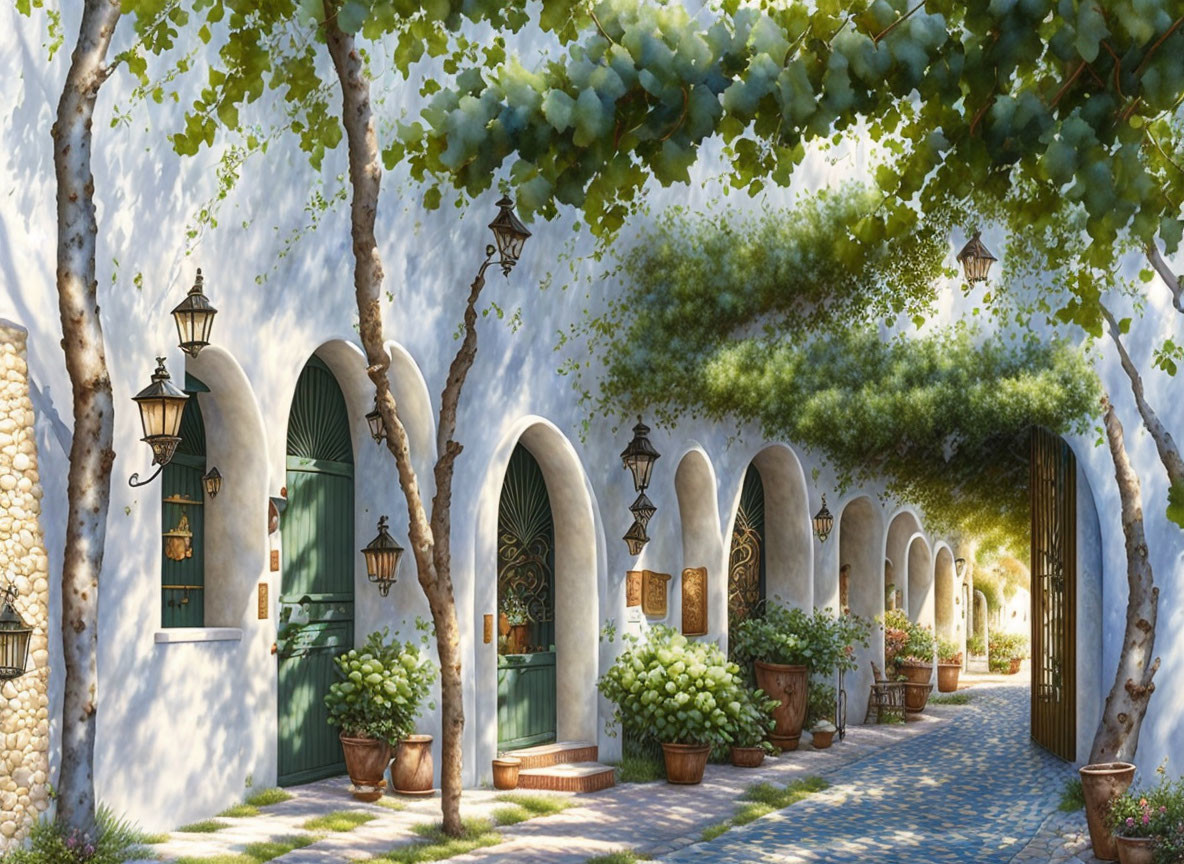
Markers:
point(750, 729)
point(681, 694)
point(517, 617)
point(819, 713)
point(1006, 653)
point(1149, 824)
point(908, 651)
point(374, 704)
point(949, 665)
point(976, 646)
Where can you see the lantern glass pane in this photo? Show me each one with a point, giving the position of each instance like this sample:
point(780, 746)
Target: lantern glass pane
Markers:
point(172, 410)
point(150, 414)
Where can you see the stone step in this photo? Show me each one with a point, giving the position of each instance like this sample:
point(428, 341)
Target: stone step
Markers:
point(569, 777)
point(559, 753)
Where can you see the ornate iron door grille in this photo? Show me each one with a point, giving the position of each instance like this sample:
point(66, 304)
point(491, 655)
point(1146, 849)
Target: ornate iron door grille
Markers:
point(746, 563)
point(1053, 494)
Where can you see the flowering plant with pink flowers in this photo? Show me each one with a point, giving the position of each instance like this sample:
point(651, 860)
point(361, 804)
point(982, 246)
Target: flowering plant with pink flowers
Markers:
point(1156, 813)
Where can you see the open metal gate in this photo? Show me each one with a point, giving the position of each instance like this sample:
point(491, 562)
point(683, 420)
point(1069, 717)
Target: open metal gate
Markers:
point(1052, 489)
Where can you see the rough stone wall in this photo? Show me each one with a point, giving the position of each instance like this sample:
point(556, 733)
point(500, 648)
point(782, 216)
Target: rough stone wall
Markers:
point(24, 703)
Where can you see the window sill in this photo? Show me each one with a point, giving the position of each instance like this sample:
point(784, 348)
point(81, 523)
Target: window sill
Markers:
point(198, 634)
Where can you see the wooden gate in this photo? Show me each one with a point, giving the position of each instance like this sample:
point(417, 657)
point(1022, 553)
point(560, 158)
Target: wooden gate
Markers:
point(526, 607)
point(1053, 493)
point(746, 562)
point(317, 586)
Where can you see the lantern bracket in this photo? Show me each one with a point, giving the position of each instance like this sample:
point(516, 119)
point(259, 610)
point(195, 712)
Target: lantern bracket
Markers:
point(135, 481)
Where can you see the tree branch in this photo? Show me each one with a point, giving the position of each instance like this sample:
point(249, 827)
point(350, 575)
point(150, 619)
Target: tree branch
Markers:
point(1174, 283)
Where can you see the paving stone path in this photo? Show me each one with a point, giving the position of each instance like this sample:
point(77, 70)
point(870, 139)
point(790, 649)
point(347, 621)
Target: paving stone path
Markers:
point(975, 791)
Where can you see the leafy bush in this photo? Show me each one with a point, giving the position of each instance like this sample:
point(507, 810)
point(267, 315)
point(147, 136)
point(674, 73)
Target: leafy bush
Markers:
point(672, 690)
point(116, 841)
point(1156, 813)
point(906, 641)
point(381, 690)
point(820, 705)
point(1004, 648)
point(820, 641)
point(754, 720)
point(976, 645)
point(948, 651)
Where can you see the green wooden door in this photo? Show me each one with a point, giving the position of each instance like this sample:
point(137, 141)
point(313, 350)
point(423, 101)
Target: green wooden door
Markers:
point(182, 501)
point(526, 594)
point(746, 564)
point(317, 594)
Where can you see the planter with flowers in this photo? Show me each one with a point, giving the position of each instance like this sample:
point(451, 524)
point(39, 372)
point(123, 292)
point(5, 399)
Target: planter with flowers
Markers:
point(908, 654)
point(374, 704)
point(1148, 825)
point(1006, 652)
point(949, 665)
point(515, 620)
point(681, 694)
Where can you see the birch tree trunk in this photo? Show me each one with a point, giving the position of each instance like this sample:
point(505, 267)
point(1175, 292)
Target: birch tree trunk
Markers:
point(429, 538)
point(1117, 737)
point(91, 450)
point(1174, 283)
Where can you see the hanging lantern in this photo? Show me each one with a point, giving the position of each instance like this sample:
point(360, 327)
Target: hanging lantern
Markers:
point(161, 405)
point(823, 522)
point(195, 319)
point(639, 456)
point(374, 421)
point(643, 509)
point(635, 538)
point(14, 639)
point(213, 482)
point(509, 233)
point(959, 566)
point(975, 260)
point(382, 556)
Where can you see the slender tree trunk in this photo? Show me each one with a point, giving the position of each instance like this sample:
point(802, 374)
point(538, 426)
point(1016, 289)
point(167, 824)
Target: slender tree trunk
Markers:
point(429, 539)
point(1169, 454)
point(1174, 283)
point(91, 451)
point(1117, 737)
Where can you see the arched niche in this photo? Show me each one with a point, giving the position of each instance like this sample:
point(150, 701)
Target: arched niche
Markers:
point(415, 407)
point(789, 537)
point(235, 520)
point(944, 590)
point(702, 545)
point(920, 581)
point(901, 528)
point(861, 567)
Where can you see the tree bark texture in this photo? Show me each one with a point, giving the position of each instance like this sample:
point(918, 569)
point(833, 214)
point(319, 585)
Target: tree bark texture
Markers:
point(91, 449)
point(1117, 737)
point(429, 538)
point(1174, 283)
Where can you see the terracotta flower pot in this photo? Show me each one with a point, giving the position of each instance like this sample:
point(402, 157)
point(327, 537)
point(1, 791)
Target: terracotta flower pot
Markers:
point(916, 696)
point(412, 772)
point(365, 762)
point(823, 738)
point(517, 639)
point(1102, 783)
point(685, 763)
point(916, 673)
point(748, 757)
point(1136, 850)
point(1015, 665)
point(947, 677)
point(790, 685)
point(505, 772)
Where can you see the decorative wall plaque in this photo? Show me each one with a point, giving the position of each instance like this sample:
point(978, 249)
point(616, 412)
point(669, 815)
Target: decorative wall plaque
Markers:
point(262, 611)
point(653, 593)
point(633, 588)
point(694, 601)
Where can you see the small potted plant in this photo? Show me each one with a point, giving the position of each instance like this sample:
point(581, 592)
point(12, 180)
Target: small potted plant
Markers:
point(517, 616)
point(1006, 653)
point(949, 665)
point(505, 772)
point(908, 650)
point(820, 712)
point(374, 704)
point(750, 729)
point(976, 646)
point(681, 694)
point(1147, 824)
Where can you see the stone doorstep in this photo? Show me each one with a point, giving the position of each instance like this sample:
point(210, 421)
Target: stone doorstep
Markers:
point(569, 777)
point(561, 752)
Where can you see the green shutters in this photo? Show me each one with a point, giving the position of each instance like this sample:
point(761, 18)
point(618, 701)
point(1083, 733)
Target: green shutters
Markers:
point(182, 579)
point(317, 574)
point(526, 591)
point(746, 562)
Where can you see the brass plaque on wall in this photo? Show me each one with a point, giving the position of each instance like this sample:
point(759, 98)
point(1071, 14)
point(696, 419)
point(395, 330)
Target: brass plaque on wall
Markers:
point(633, 588)
point(653, 593)
point(262, 600)
point(694, 601)
point(487, 635)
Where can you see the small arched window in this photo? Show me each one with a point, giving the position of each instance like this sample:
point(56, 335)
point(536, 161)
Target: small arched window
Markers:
point(182, 564)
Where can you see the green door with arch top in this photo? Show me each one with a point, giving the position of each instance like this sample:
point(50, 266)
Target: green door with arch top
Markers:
point(526, 607)
point(316, 621)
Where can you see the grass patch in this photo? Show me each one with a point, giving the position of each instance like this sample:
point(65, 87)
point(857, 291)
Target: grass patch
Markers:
point(1073, 796)
point(436, 845)
point(390, 804)
point(536, 805)
point(713, 831)
point(239, 811)
point(206, 826)
point(959, 698)
point(340, 820)
point(640, 768)
point(267, 797)
point(152, 839)
point(762, 799)
point(623, 856)
point(255, 853)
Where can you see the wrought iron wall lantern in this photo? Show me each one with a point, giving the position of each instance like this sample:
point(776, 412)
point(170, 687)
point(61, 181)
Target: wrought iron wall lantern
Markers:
point(382, 556)
point(195, 319)
point(639, 457)
point(374, 421)
point(959, 566)
point(976, 261)
point(643, 509)
point(823, 522)
point(212, 480)
point(161, 406)
point(14, 638)
point(636, 538)
point(510, 234)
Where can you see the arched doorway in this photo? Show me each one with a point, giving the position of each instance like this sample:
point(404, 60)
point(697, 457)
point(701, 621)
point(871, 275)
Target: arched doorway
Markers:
point(317, 575)
point(526, 673)
point(944, 594)
point(746, 559)
point(920, 581)
point(901, 529)
point(861, 588)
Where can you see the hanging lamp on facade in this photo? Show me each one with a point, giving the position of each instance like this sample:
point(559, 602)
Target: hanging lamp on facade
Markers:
point(14, 638)
point(823, 522)
point(959, 566)
point(635, 538)
point(639, 456)
point(212, 480)
point(382, 556)
point(510, 234)
point(643, 509)
point(161, 406)
point(195, 319)
point(976, 261)
point(374, 421)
